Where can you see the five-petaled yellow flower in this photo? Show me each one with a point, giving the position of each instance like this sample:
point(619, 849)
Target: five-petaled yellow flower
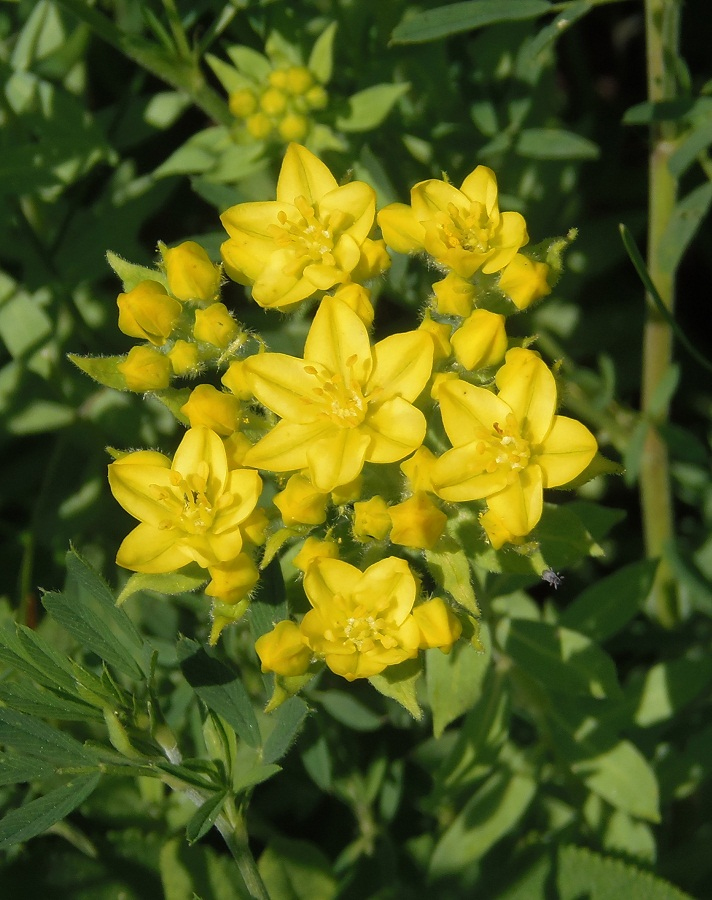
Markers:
point(189, 509)
point(508, 447)
point(346, 403)
point(463, 229)
point(307, 240)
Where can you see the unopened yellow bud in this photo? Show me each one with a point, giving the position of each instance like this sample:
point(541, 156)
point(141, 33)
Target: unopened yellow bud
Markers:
point(316, 97)
point(313, 549)
point(242, 103)
point(232, 581)
point(358, 299)
point(454, 295)
point(259, 125)
point(299, 80)
point(293, 127)
point(481, 341)
point(440, 333)
point(190, 272)
point(254, 528)
point(417, 522)
point(524, 281)
point(278, 78)
point(273, 101)
point(184, 357)
point(301, 503)
point(215, 325)
point(284, 650)
point(147, 312)
point(214, 409)
point(439, 380)
point(374, 261)
point(146, 369)
point(371, 519)
point(439, 626)
point(235, 380)
point(418, 468)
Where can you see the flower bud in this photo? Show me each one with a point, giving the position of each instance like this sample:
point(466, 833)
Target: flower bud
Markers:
point(147, 312)
point(242, 103)
point(299, 80)
point(235, 380)
point(255, 526)
point(278, 78)
point(440, 333)
point(301, 503)
point(374, 261)
point(358, 299)
point(438, 380)
point(313, 549)
point(236, 446)
point(190, 272)
point(273, 101)
point(417, 470)
point(213, 409)
point(293, 127)
point(524, 281)
point(481, 341)
point(259, 125)
point(417, 522)
point(371, 519)
point(184, 357)
point(215, 325)
point(232, 581)
point(439, 626)
point(316, 97)
point(454, 295)
point(145, 369)
point(284, 650)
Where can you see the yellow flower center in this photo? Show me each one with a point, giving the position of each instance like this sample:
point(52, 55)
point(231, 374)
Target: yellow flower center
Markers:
point(503, 447)
point(358, 628)
point(340, 400)
point(310, 238)
point(471, 230)
point(187, 501)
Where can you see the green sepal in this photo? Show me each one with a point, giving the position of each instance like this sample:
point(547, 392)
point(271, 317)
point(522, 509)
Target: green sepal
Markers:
point(131, 274)
point(185, 580)
point(103, 369)
point(173, 399)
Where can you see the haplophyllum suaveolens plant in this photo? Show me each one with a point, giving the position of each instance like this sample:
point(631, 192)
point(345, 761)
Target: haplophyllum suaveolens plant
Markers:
point(373, 448)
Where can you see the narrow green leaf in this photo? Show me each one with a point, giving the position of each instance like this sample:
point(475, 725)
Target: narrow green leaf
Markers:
point(288, 722)
point(26, 734)
point(451, 570)
point(246, 779)
point(220, 689)
point(563, 660)
point(25, 650)
point(183, 581)
point(36, 701)
point(18, 769)
point(454, 681)
point(227, 75)
point(456, 17)
point(369, 107)
point(690, 148)
point(608, 605)
point(399, 683)
point(487, 816)
point(583, 873)
point(102, 369)
point(321, 58)
point(682, 226)
point(173, 399)
point(38, 815)
point(131, 274)
point(251, 63)
point(204, 817)
point(555, 143)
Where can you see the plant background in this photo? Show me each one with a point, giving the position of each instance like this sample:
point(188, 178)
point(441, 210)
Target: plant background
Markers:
point(87, 129)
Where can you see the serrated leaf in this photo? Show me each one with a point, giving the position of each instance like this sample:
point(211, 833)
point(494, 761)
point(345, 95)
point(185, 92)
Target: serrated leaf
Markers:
point(562, 660)
point(19, 769)
point(36, 701)
point(103, 369)
point(583, 873)
point(38, 815)
point(288, 722)
point(683, 224)
point(487, 816)
point(220, 689)
point(30, 736)
point(454, 681)
point(555, 143)
point(608, 605)
point(87, 610)
point(399, 683)
point(131, 274)
point(321, 57)
point(369, 107)
point(204, 817)
point(451, 570)
point(456, 17)
point(25, 650)
point(166, 583)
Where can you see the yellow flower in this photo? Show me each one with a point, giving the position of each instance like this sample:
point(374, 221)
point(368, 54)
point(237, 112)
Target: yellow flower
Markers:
point(440, 332)
point(284, 650)
point(145, 369)
point(190, 509)
point(313, 549)
point(191, 274)
point(417, 469)
point(235, 380)
point(371, 519)
point(232, 581)
point(147, 312)
point(358, 298)
point(301, 503)
point(305, 241)
point(481, 340)
point(524, 281)
point(345, 403)
point(438, 624)
point(461, 229)
point(497, 533)
point(508, 447)
point(417, 522)
point(184, 357)
point(361, 622)
point(215, 325)
point(213, 409)
point(454, 295)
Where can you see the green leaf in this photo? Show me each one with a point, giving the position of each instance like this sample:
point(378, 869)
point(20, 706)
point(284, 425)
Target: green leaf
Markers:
point(204, 817)
point(582, 873)
point(399, 683)
point(630, 837)
point(457, 17)
point(197, 872)
point(608, 605)
point(690, 148)
point(321, 58)
point(37, 701)
point(269, 605)
point(454, 681)
point(102, 369)
point(562, 660)
point(563, 537)
point(227, 75)
point(369, 107)
point(24, 325)
point(220, 689)
point(451, 570)
point(345, 708)
point(667, 687)
point(30, 736)
point(251, 63)
point(18, 769)
point(88, 611)
point(246, 779)
point(296, 870)
point(555, 143)
point(288, 722)
point(183, 581)
point(486, 817)
point(683, 224)
point(131, 274)
point(173, 399)
point(38, 815)
point(25, 650)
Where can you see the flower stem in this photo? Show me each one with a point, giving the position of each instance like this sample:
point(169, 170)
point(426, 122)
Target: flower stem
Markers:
point(231, 825)
point(662, 31)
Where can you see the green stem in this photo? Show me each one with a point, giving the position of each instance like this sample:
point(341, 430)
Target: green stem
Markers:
point(662, 29)
point(231, 825)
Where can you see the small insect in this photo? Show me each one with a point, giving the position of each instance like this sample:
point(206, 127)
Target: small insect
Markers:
point(553, 578)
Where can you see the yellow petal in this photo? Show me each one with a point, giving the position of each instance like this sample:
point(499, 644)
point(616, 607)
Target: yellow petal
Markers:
point(519, 505)
point(133, 487)
point(338, 336)
point(225, 547)
point(566, 451)
point(433, 196)
point(285, 447)
point(466, 409)
point(480, 186)
point(358, 201)
point(401, 229)
point(277, 286)
point(327, 577)
point(395, 429)
point(337, 458)
point(303, 175)
point(347, 252)
point(153, 550)
point(387, 584)
point(245, 487)
point(322, 276)
point(458, 475)
point(283, 384)
point(402, 365)
point(199, 446)
point(510, 235)
point(526, 385)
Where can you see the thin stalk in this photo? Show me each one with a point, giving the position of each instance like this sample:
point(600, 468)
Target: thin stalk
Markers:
point(231, 825)
point(662, 31)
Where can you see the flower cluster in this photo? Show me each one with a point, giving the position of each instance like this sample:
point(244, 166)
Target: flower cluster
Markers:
point(371, 449)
